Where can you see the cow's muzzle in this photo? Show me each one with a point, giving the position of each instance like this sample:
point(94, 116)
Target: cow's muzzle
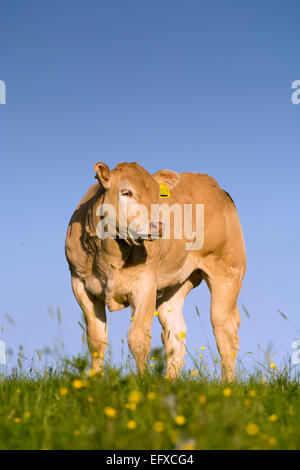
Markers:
point(150, 231)
point(156, 229)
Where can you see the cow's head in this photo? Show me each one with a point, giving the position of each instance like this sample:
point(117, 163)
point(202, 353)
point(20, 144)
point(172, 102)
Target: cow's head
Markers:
point(132, 191)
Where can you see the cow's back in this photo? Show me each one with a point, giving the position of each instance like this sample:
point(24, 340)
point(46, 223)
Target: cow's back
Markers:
point(202, 188)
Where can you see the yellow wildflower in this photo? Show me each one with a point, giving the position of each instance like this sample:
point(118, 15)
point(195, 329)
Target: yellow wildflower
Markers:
point(190, 444)
point(77, 383)
point(201, 355)
point(227, 392)
point(63, 391)
point(247, 402)
point(194, 372)
point(151, 396)
point(135, 396)
point(202, 399)
point(110, 412)
point(158, 426)
point(92, 373)
point(180, 420)
point(272, 441)
point(252, 393)
point(272, 365)
point(131, 424)
point(189, 447)
point(202, 347)
point(169, 310)
point(182, 335)
point(76, 432)
point(26, 414)
point(252, 429)
point(17, 420)
point(155, 313)
point(273, 418)
point(90, 399)
point(151, 365)
point(96, 354)
point(131, 406)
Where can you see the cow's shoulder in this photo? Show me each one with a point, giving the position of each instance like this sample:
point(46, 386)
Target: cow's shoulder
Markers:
point(81, 226)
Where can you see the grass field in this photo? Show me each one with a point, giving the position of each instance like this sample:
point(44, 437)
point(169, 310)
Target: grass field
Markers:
point(74, 409)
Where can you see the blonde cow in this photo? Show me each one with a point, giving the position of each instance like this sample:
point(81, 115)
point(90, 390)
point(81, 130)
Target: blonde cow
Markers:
point(124, 248)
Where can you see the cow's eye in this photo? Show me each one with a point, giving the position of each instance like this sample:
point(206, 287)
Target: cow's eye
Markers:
point(126, 192)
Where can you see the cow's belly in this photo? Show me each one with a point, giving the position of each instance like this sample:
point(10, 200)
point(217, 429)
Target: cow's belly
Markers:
point(117, 287)
point(176, 266)
point(168, 277)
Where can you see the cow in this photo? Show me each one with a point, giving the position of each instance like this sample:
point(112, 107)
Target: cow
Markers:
point(152, 273)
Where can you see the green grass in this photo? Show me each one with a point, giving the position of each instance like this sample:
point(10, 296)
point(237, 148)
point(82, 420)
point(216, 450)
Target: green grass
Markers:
point(253, 414)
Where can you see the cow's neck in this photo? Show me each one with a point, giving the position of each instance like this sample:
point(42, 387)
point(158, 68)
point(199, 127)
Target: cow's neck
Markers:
point(113, 256)
point(115, 252)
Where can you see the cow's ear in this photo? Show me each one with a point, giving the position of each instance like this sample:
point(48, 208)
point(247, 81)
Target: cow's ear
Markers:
point(103, 174)
point(168, 177)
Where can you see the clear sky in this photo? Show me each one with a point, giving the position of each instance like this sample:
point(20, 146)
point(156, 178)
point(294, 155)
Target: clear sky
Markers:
point(185, 85)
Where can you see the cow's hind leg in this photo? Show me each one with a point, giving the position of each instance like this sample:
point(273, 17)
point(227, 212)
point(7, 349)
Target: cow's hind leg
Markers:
point(225, 321)
point(173, 326)
point(96, 326)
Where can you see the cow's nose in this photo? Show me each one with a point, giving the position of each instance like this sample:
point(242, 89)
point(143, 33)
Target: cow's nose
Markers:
point(157, 228)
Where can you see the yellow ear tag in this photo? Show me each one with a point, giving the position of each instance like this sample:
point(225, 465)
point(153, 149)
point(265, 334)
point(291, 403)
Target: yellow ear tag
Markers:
point(163, 191)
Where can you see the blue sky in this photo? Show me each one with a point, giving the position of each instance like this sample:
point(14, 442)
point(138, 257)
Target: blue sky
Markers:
point(190, 86)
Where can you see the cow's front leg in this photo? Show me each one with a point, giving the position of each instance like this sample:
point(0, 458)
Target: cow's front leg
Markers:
point(170, 315)
point(96, 326)
point(142, 308)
